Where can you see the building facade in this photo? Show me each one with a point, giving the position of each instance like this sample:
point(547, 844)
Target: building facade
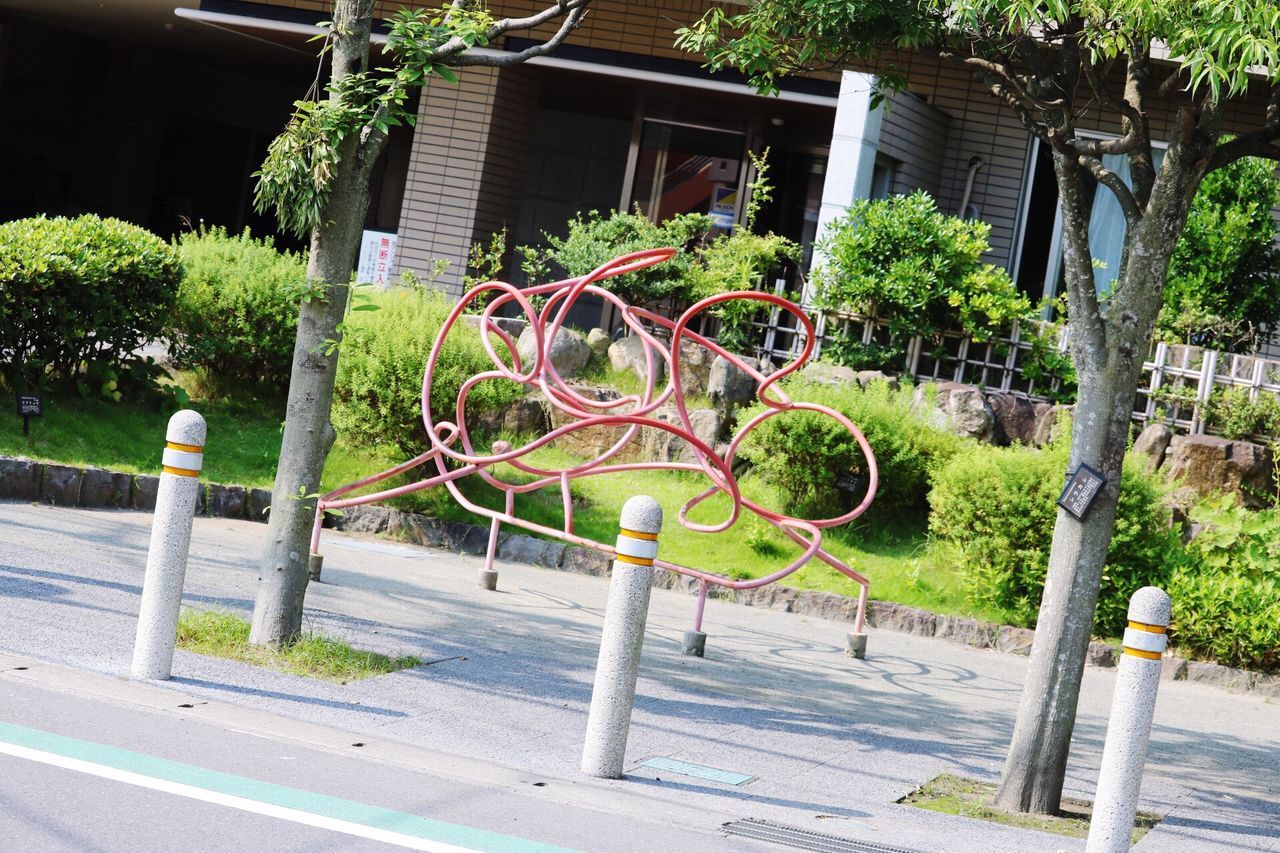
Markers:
point(184, 100)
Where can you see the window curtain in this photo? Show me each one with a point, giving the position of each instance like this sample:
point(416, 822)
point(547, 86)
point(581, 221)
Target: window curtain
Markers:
point(1107, 226)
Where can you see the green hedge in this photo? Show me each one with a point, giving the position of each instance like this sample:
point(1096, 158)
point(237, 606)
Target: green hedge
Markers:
point(237, 311)
point(998, 505)
point(803, 454)
point(78, 298)
point(377, 398)
point(1226, 595)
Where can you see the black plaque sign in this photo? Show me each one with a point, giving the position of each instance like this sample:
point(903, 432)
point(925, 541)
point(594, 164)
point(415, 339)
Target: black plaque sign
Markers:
point(1081, 488)
point(29, 406)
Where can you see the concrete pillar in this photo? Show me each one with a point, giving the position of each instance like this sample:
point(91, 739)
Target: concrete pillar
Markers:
point(854, 140)
point(1129, 730)
point(466, 169)
point(614, 693)
point(170, 540)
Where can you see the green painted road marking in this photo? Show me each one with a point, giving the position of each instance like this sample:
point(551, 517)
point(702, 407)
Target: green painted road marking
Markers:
point(294, 804)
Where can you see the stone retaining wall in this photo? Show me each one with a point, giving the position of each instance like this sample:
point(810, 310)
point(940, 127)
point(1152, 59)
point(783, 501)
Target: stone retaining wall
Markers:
point(63, 485)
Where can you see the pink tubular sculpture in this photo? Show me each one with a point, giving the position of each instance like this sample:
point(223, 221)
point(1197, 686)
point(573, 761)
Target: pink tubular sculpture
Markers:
point(451, 441)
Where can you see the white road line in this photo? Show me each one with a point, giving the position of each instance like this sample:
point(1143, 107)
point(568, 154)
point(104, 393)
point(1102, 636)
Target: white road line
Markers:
point(194, 793)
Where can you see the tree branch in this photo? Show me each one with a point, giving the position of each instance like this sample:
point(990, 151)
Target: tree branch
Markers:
point(1112, 181)
point(1014, 85)
point(1082, 297)
point(1255, 144)
point(571, 22)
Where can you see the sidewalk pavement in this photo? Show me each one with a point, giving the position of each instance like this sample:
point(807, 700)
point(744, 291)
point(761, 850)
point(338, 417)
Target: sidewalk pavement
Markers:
point(832, 742)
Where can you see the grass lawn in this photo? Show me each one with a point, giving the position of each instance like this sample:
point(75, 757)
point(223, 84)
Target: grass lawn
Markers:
point(244, 439)
point(965, 797)
point(225, 635)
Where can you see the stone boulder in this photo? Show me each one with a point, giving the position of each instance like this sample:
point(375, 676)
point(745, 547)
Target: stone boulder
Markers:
point(728, 386)
point(1015, 419)
point(1152, 443)
point(569, 351)
point(599, 341)
point(526, 415)
point(628, 354)
point(867, 377)
point(590, 441)
point(513, 326)
point(824, 373)
point(1210, 464)
point(1047, 426)
point(696, 363)
point(662, 446)
point(960, 408)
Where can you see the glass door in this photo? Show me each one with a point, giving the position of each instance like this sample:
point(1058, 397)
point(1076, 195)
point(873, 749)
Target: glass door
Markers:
point(683, 168)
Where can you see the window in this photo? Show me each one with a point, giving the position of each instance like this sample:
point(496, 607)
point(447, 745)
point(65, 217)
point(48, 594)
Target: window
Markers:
point(1038, 270)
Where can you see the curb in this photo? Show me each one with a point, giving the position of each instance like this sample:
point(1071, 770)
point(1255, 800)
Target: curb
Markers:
point(95, 488)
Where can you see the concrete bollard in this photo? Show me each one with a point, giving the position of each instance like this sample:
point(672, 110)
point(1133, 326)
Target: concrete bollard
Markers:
point(1128, 731)
point(614, 693)
point(170, 540)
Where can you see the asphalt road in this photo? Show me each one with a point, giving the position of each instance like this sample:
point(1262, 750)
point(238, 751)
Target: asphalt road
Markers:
point(831, 744)
point(87, 773)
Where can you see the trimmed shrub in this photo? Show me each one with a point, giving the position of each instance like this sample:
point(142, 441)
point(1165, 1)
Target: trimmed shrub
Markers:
point(805, 455)
point(378, 395)
point(904, 261)
point(594, 239)
point(78, 298)
point(999, 506)
point(1226, 598)
point(237, 311)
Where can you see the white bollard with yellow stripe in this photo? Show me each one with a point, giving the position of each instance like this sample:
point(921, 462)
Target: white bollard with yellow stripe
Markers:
point(170, 540)
point(614, 692)
point(1129, 730)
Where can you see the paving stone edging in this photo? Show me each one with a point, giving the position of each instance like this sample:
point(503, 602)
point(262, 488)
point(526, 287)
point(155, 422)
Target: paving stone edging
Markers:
point(64, 485)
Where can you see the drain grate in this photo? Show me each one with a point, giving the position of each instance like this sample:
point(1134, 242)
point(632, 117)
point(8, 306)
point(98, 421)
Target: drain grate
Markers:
point(805, 839)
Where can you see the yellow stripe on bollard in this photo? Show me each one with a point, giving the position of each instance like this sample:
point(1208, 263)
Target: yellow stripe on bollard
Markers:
point(636, 534)
point(1142, 653)
point(635, 561)
point(190, 448)
point(181, 472)
point(1154, 629)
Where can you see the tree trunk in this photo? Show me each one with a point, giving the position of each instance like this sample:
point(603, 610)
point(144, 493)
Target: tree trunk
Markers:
point(1108, 353)
point(308, 434)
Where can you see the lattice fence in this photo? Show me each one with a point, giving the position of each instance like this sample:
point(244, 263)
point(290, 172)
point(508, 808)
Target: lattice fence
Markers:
point(1177, 382)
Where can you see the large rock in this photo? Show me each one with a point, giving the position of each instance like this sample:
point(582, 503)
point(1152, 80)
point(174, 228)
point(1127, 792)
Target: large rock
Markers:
point(867, 377)
point(696, 363)
point(1152, 443)
point(569, 351)
point(729, 386)
point(591, 441)
point(825, 373)
point(599, 341)
point(628, 354)
point(1210, 464)
point(1048, 416)
point(662, 446)
point(960, 408)
point(524, 416)
point(1015, 419)
point(513, 326)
